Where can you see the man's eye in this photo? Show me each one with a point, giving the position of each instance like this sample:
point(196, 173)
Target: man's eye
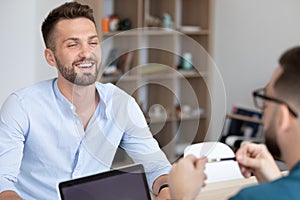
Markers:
point(72, 45)
point(94, 43)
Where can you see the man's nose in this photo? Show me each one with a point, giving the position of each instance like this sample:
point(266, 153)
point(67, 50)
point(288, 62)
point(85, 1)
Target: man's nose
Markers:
point(85, 51)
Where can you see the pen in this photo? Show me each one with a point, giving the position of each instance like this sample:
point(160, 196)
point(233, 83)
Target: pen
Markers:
point(220, 159)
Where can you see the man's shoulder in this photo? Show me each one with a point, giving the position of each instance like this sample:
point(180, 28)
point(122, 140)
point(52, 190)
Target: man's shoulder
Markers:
point(254, 192)
point(38, 87)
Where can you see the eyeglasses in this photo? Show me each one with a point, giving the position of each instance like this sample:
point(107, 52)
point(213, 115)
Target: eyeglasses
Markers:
point(259, 97)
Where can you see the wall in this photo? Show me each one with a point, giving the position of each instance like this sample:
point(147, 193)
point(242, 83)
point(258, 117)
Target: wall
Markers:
point(249, 37)
point(22, 59)
point(17, 45)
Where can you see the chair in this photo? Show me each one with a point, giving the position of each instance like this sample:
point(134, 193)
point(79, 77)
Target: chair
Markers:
point(219, 170)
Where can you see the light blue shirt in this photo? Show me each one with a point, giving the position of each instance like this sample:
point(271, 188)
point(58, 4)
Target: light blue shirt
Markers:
point(43, 142)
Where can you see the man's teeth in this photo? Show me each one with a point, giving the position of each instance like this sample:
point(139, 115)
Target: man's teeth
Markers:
point(85, 65)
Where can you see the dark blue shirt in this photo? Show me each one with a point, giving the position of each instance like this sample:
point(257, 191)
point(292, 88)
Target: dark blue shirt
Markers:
point(287, 187)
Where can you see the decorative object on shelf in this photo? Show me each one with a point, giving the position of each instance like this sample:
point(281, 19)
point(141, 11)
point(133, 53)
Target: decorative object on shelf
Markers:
point(190, 28)
point(113, 23)
point(153, 21)
point(157, 111)
point(105, 25)
point(125, 24)
point(186, 111)
point(167, 21)
point(186, 62)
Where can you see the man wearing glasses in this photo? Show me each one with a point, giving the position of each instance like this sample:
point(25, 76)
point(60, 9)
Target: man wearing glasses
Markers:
point(280, 103)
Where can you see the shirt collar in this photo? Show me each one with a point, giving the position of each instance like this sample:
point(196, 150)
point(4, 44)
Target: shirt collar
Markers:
point(61, 97)
point(100, 110)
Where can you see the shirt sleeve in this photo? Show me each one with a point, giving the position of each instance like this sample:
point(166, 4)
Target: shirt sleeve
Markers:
point(140, 145)
point(13, 125)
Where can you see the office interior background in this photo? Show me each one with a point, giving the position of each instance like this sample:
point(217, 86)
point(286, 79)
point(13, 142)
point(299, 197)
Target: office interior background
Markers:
point(248, 38)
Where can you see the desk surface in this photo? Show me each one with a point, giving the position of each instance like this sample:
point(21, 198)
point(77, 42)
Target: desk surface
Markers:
point(224, 189)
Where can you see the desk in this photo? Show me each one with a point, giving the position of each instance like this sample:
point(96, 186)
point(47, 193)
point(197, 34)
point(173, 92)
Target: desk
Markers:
point(224, 189)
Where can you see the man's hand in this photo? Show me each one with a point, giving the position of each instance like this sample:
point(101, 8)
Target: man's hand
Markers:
point(257, 159)
point(9, 195)
point(187, 177)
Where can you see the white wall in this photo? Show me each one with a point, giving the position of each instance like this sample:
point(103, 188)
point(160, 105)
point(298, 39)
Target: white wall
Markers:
point(21, 50)
point(249, 37)
point(17, 45)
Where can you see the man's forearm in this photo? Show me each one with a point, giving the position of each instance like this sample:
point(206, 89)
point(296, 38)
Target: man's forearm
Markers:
point(9, 195)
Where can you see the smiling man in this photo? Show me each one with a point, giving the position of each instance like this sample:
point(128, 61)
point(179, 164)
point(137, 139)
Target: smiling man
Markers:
point(71, 126)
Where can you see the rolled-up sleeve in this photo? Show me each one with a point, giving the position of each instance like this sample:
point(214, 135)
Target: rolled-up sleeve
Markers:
point(140, 145)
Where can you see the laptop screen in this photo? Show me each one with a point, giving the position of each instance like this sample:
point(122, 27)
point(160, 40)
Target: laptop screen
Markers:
point(127, 183)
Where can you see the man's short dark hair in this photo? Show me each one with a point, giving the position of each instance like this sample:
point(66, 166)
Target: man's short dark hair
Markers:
point(288, 83)
point(70, 10)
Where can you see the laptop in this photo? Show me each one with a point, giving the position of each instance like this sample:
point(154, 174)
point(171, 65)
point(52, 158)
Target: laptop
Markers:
point(126, 183)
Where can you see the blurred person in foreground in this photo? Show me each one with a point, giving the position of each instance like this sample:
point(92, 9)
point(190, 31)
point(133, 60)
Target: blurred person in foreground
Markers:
point(280, 102)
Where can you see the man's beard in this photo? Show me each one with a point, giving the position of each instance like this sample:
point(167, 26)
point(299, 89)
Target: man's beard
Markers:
point(83, 79)
point(271, 142)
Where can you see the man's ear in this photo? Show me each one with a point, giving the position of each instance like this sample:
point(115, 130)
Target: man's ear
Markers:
point(284, 119)
point(49, 55)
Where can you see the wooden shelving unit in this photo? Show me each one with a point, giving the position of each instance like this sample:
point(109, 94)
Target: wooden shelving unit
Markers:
point(170, 87)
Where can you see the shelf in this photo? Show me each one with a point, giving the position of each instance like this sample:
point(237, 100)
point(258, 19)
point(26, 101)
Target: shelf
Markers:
point(152, 77)
point(192, 74)
point(120, 33)
point(173, 119)
point(107, 79)
point(158, 120)
point(201, 32)
point(191, 118)
point(244, 118)
point(154, 32)
point(146, 31)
